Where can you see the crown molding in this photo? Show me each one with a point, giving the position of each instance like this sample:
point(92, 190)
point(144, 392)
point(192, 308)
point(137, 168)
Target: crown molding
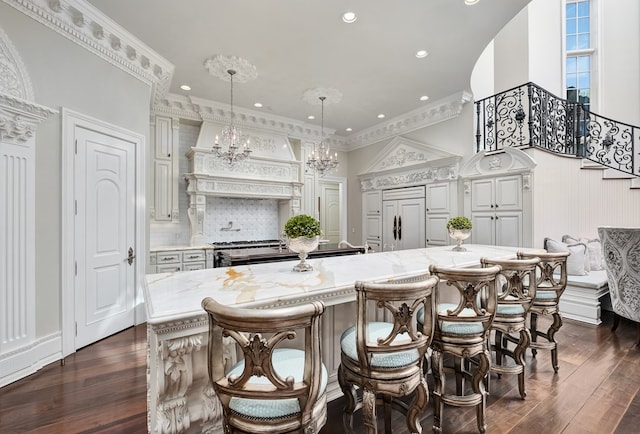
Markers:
point(200, 109)
point(438, 111)
point(85, 25)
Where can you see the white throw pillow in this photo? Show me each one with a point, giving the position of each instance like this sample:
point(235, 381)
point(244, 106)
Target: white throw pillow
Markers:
point(594, 253)
point(575, 261)
point(569, 240)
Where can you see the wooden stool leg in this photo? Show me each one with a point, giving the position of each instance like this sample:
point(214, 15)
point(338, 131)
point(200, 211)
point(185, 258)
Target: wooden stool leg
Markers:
point(477, 382)
point(369, 411)
point(437, 369)
point(518, 355)
point(555, 326)
point(534, 332)
point(418, 405)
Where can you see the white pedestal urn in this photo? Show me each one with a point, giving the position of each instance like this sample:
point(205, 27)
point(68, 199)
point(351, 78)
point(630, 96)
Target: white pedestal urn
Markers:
point(459, 235)
point(302, 246)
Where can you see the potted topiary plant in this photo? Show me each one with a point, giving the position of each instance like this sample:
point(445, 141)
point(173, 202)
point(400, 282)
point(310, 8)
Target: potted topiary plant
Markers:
point(303, 233)
point(459, 228)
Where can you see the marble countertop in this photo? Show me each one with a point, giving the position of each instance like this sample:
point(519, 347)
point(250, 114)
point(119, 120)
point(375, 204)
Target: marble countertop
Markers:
point(177, 296)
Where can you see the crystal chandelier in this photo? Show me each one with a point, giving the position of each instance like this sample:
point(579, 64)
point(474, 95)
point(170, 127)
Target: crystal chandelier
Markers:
point(231, 135)
point(321, 159)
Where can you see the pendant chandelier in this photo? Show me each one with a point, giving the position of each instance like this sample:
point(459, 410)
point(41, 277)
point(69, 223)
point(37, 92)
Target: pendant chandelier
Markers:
point(231, 136)
point(321, 160)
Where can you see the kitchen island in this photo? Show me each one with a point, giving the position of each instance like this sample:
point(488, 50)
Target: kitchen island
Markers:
point(180, 398)
point(228, 258)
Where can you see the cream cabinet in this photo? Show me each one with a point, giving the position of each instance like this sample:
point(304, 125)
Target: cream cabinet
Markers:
point(165, 138)
point(169, 261)
point(403, 218)
point(496, 211)
point(372, 224)
point(438, 211)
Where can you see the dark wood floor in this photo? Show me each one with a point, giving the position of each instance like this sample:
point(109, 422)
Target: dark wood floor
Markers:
point(102, 389)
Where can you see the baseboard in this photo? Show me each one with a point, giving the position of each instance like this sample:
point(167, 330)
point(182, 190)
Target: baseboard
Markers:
point(24, 361)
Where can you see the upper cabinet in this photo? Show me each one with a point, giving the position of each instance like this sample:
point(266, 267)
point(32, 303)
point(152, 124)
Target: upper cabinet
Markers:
point(165, 139)
point(498, 197)
point(441, 198)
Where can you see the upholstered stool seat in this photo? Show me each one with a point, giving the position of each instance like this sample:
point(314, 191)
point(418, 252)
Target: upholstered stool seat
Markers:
point(382, 355)
point(273, 388)
point(287, 362)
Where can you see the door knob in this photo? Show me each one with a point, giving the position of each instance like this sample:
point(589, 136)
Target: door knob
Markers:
point(131, 256)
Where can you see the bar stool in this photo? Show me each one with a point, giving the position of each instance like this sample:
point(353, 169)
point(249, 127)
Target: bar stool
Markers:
point(461, 331)
point(273, 389)
point(516, 289)
point(382, 355)
point(551, 280)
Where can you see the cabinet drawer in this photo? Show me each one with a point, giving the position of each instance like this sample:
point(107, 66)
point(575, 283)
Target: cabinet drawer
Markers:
point(193, 256)
point(168, 268)
point(168, 257)
point(190, 266)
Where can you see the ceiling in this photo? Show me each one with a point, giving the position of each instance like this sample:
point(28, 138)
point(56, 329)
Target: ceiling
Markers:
point(298, 45)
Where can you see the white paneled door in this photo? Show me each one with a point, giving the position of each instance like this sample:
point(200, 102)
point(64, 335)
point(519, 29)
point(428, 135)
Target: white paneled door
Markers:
point(330, 211)
point(104, 233)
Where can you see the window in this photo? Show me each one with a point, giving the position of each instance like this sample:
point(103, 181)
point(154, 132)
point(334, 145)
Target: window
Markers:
point(579, 51)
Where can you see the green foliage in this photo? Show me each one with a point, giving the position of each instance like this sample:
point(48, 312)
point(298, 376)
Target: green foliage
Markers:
point(459, 222)
point(302, 225)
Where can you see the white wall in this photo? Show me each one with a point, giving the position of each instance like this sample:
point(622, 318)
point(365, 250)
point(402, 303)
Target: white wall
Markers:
point(574, 201)
point(619, 60)
point(65, 75)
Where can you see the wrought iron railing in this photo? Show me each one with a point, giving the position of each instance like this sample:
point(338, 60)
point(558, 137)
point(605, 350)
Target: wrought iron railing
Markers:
point(528, 115)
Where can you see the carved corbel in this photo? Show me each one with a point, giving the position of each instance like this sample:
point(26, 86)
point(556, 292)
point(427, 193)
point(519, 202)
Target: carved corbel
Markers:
point(177, 366)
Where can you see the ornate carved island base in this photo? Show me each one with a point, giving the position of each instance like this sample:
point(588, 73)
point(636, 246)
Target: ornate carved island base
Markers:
point(179, 397)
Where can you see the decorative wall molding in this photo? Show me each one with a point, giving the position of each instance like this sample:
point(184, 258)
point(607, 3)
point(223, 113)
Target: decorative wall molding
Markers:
point(430, 114)
point(14, 80)
point(510, 160)
point(85, 25)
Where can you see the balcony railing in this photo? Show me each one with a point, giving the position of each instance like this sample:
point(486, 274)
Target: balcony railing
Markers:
point(528, 115)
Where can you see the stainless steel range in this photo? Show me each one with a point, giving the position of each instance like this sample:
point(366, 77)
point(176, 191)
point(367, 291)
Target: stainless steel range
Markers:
point(219, 246)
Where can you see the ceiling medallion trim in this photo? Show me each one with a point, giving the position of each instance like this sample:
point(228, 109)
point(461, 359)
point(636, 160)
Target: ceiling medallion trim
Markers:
point(331, 95)
point(219, 66)
point(86, 26)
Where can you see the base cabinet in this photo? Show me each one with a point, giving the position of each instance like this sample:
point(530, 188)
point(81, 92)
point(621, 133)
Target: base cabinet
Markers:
point(502, 228)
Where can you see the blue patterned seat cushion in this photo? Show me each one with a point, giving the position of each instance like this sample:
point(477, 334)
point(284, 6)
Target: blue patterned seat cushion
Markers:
point(545, 295)
point(377, 330)
point(509, 309)
point(286, 362)
point(455, 327)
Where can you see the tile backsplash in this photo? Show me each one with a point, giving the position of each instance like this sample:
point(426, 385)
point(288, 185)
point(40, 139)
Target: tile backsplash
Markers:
point(251, 219)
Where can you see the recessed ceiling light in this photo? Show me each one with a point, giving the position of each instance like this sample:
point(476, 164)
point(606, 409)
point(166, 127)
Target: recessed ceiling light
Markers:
point(470, 2)
point(311, 117)
point(257, 104)
point(185, 87)
point(424, 98)
point(349, 17)
point(421, 54)
point(380, 116)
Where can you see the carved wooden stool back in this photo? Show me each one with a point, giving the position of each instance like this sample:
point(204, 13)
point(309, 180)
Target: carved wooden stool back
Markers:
point(382, 355)
point(272, 389)
point(461, 331)
point(551, 280)
point(516, 287)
